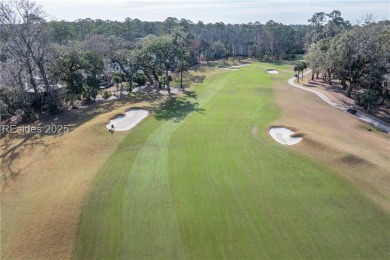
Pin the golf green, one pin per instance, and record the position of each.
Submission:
(202, 180)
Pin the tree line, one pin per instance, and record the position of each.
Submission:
(39, 54)
(358, 56)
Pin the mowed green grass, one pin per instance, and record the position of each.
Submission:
(205, 181)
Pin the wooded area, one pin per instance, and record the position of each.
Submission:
(50, 64)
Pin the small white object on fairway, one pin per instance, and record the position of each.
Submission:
(131, 119)
(282, 135)
(272, 71)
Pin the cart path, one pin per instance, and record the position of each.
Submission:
(362, 116)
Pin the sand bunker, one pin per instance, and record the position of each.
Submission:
(272, 71)
(234, 67)
(283, 136)
(128, 121)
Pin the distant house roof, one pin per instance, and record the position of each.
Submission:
(42, 88)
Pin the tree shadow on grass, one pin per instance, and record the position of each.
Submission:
(176, 109)
(198, 78)
(149, 95)
(194, 78)
(190, 94)
(202, 67)
(10, 152)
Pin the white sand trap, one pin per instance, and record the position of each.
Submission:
(282, 135)
(131, 119)
(272, 71)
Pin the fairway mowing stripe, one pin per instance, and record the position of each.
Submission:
(149, 216)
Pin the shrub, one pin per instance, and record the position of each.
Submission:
(53, 108)
(140, 79)
(3, 110)
(30, 115)
(106, 94)
(117, 79)
(366, 98)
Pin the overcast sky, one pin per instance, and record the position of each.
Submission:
(228, 11)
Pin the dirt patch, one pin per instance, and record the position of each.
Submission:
(298, 134)
(352, 159)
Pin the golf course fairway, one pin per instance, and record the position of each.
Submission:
(201, 179)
